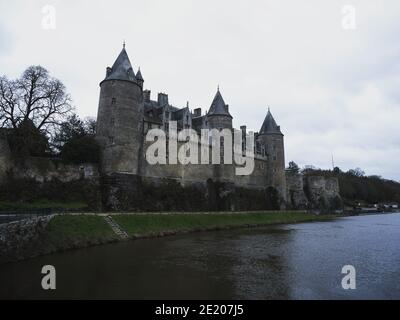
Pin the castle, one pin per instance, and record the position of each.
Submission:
(126, 179)
(126, 112)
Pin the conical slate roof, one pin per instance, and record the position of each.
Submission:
(139, 75)
(218, 106)
(121, 69)
(269, 125)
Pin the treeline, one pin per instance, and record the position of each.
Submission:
(355, 186)
(38, 119)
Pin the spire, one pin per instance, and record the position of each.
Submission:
(122, 68)
(139, 75)
(218, 106)
(269, 125)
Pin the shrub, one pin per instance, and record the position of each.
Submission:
(81, 150)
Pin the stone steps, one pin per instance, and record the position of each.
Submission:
(116, 227)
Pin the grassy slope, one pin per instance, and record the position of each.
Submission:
(151, 223)
(65, 230)
(78, 231)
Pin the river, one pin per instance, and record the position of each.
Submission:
(294, 261)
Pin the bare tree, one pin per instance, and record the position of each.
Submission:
(35, 96)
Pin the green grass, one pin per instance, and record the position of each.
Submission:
(64, 229)
(153, 223)
(40, 204)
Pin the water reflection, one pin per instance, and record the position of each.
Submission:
(278, 262)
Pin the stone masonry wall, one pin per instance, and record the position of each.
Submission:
(19, 239)
(5, 158)
(313, 192)
(45, 169)
(296, 197)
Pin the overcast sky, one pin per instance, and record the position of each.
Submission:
(334, 89)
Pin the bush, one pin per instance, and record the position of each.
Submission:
(81, 150)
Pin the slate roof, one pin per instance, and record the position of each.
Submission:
(218, 106)
(178, 114)
(122, 68)
(269, 125)
(139, 75)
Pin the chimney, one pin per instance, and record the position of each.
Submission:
(243, 128)
(162, 99)
(146, 95)
(197, 112)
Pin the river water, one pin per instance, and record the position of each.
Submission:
(296, 261)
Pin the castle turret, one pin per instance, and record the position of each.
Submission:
(271, 137)
(218, 117)
(139, 78)
(120, 116)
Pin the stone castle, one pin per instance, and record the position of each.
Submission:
(126, 112)
(124, 179)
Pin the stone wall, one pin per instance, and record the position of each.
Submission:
(126, 192)
(323, 193)
(313, 192)
(42, 169)
(5, 158)
(296, 197)
(46, 169)
(19, 239)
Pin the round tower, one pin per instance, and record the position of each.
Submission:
(271, 137)
(119, 118)
(218, 117)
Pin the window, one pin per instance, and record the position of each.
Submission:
(113, 101)
(111, 140)
(112, 121)
(274, 157)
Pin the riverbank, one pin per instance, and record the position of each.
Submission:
(286, 261)
(73, 231)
